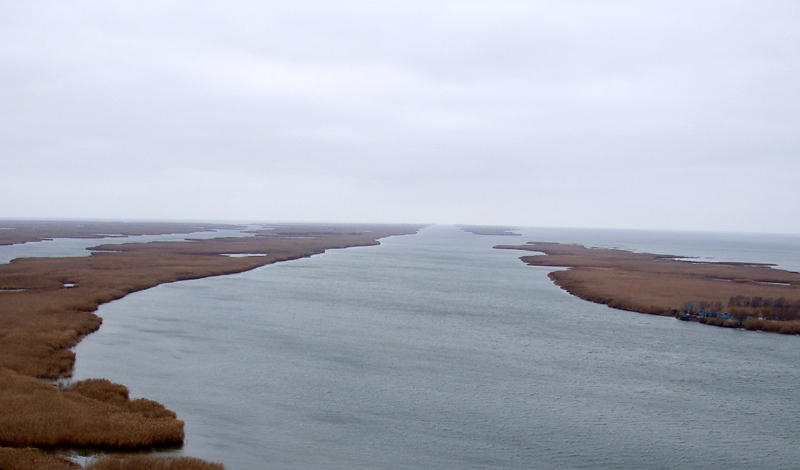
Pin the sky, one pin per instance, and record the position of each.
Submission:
(667, 115)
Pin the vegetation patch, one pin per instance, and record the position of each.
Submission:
(93, 413)
(40, 324)
(732, 295)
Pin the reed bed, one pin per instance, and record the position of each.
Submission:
(662, 285)
(33, 459)
(39, 324)
(37, 344)
(147, 462)
(22, 231)
(773, 326)
(94, 413)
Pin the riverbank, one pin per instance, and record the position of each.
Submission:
(751, 296)
(47, 305)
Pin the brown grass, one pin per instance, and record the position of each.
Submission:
(94, 413)
(39, 325)
(22, 231)
(659, 284)
(32, 459)
(772, 326)
(723, 322)
(147, 462)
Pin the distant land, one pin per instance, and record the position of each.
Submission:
(47, 306)
(23, 231)
(490, 230)
(735, 295)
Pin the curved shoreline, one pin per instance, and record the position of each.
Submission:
(664, 285)
(55, 310)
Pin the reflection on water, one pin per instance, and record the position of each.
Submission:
(435, 351)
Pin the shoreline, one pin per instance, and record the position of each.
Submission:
(14, 232)
(490, 230)
(734, 295)
(51, 308)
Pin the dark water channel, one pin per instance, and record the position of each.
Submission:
(434, 351)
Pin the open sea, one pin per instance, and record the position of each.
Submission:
(435, 351)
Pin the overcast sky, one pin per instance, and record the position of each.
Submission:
(679, 115)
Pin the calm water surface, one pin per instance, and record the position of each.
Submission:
(435, 351)
(65, 247)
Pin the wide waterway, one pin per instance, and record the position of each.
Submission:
(435, 351)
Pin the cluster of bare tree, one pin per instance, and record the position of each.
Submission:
(741, 308)
(780, 309)
(703, 306)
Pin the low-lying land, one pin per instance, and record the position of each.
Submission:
(752, 296)
(32, 459)
(23, 231)
(47, 305)
(490, 230)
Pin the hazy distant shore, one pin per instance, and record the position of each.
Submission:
(47, 306)
(23, 231)
(752, 296)
(490, 230)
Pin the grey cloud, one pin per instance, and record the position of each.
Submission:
(535, 113)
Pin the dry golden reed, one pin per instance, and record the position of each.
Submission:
(660, 284)
(772, 326)
(89, 414)
(147, 462)
(32, 459)
(39, 324)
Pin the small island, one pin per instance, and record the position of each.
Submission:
(490, 230)
(47, 306)
(734, 295)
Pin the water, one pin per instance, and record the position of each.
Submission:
(64, 247)
(783, 251)
(435, 351)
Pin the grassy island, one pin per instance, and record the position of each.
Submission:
(738, 295)
(47, 306)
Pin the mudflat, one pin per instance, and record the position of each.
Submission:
(47, 305)
(752, 296)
